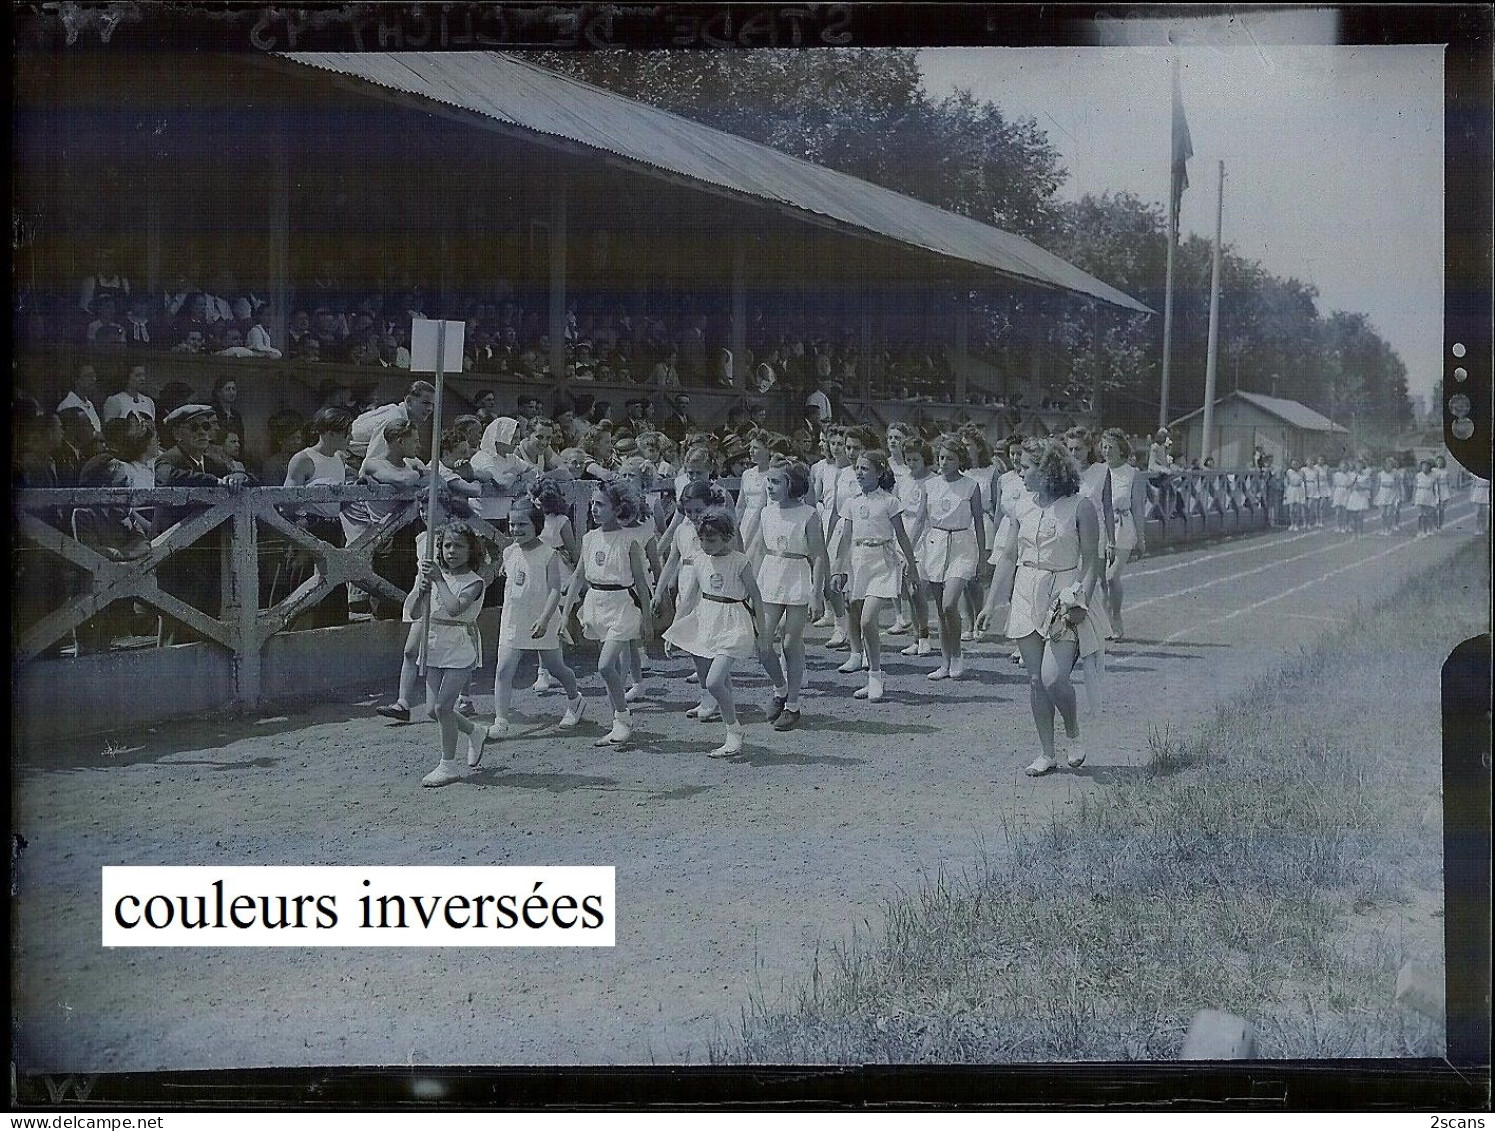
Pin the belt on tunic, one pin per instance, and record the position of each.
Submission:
(743, 601)
(872, 541)
(1049, 569)
(953, 529)
(472, 633)
(609, 587)
(787, 554)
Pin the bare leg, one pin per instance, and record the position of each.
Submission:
(772, 614)
(610, 668)
(718, 680)
(854, 626)
(1031, 646)
(794, 652)
(870, 631)
(449, 683)
(1114, 590)
(1058, 661)
(503, 682)
(555, 664)
(950, 619)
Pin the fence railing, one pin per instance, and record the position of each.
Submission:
(220, 545)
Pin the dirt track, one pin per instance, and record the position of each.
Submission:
(728, 873)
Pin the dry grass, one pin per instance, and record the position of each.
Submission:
(1253, 869)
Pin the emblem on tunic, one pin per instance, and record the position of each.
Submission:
(783, 541)
(716, 581)
(601, 556)
(519, 578)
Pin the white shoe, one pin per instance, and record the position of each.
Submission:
(574, 711)
(873, 691)
(727, 749)
(622, 731)
(543, 684)
(941, 672)
(853, 663)
(1077, 751)
(1017, 655)
(692, 678)
(635, 693)
(445, 773)
(475, 742)
(913, 649)
(899, 627)
(499, 730)
(957, 667)
(968, 636)
(825, 621)
(1040, 766)
(837, 640)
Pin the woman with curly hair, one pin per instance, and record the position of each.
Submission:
(614, 577)
(954, 544)
(1055, 566)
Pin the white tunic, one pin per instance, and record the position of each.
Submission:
(611, 611)
(753, 497)
(527, 588)
(950, 549)
(1048, 561)
(454, 641)
(1124, 530)
(1014, 501)
(785, 573)
(720, 623)
(874, 560)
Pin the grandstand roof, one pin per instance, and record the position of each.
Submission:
(501, 89)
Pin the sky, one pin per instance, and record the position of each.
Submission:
(1333, 155)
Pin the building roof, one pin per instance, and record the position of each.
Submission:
(1295, 413)
(506, 90)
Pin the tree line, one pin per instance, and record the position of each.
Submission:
(866, 113)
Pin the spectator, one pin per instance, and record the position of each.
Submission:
(224, 401)
(397, 343)
(679, 422)
(233, 344)
(131, 400)
(106, 279)
(693, 352)
(80, 396)
(141, 331)
(80, 443)
(299, 332)
(332, 393)
(173, 395)
(194, 317)
(218, 302)
(639, 419)
(193, 574)
(128, 459)
(258, 340)
(530, 407)
(105, 325)
(486, 403)
(193, 341)
(1159, 455)
(286, 431)
(366, 441)
(179, 295)
(311, 349)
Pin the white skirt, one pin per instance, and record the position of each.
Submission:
(1294, 496)
(1356, 501)
(611, 614)
(715, 628)
(1126, 531)
(949, 555)
(1033, 590)
(785, 581)
(875, 571)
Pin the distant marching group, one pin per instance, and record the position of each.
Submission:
(893, 521)
(1315, 492)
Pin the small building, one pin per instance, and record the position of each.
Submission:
(1281, 428)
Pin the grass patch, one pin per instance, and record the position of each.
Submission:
(1264, 865)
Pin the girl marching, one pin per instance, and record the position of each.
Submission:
(1295, 495)
(726, 624)
(868, 569)
(954, 542)
(453, 594)
(535, 573)
(791, 583)
(1128, 534)
(911, 490)
(615, 611)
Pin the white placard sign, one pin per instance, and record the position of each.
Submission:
(423, 335)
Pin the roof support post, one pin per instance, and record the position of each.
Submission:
(962, 342)
(864, 339)
(741, 378)
(279, 233)
(1099, 345)
(558, 283)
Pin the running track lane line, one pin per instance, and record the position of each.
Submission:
(1248, 573)
(1172, 636)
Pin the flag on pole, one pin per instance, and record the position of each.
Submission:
(1183, 149)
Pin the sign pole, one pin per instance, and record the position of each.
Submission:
(425, 632)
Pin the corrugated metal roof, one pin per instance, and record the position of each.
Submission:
(1296, 413)
(510, 90)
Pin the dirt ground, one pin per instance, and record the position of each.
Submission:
(730, 874)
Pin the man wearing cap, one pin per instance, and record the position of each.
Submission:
(639, 411)
(366, 441)
(192, 573)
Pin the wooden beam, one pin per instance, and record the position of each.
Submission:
(741, 378)
(558, 239)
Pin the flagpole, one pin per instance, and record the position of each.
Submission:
(431, 489)
(1211, 360)
(1168, 303)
